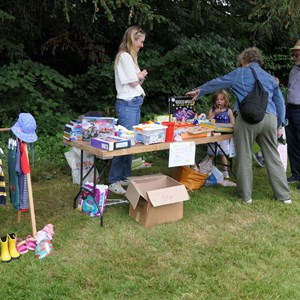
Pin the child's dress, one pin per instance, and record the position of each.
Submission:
(222, 117)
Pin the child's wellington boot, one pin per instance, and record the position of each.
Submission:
(12, 246)
(5, 256)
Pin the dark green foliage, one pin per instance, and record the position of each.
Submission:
(279, 65)
(28, 86)
(193, 62)
(94, 90)
(48, 157)
(57, 57)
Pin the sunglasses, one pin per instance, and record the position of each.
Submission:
(296, 55)
(140, 30)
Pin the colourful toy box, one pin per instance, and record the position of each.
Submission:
(90, 204)
(181, 108)
(110, 143)
(96, 126)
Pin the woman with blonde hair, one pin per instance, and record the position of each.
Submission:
(130, 96)
(265, 133)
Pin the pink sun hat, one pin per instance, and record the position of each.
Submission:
(25, 127)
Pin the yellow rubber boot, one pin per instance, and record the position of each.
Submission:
(5, 256)
(12, 246)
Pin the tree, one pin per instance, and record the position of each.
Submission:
(188, 42)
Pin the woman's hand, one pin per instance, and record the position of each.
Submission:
(194, 93)
(142, 75)
(279, 132)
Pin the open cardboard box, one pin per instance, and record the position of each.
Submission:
(156, 199)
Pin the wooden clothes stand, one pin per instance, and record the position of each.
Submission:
(30, 196)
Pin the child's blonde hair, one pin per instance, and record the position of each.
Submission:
(226, 96)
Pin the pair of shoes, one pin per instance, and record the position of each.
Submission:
(30, 241)
(117, 188)
(289, 201)
(225, 174)
(259, 159)
(28, 244)
(292, 179)
(124, 182)
(21, 246)
(8, 248)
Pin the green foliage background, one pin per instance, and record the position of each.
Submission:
(57, 57)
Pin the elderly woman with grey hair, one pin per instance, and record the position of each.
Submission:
(265, 133)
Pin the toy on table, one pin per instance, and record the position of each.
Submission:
(181, 108)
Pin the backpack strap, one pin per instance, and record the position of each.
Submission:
(254, 73)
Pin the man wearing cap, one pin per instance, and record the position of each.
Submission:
(293, 116)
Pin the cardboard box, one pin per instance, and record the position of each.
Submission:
(110, 143)
(156, 199)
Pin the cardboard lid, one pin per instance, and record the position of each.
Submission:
(168, 195)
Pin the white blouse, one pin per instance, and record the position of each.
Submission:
(126, 71)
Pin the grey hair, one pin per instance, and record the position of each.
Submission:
(250, 55)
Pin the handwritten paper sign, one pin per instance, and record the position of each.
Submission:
(182, 154)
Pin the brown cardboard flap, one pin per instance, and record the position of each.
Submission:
(168, 195)
(132, 195)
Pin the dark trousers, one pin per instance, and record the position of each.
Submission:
(293, 138)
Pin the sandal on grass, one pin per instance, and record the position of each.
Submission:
(30, 241)
(21, 246)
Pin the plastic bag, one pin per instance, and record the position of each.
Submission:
(189, 177)
(282, 149)
(215, 177)
(73, 159)
(231, 152)
(206, 165)
(90, 205)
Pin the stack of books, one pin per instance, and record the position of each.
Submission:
(140, 163)
(73, 130)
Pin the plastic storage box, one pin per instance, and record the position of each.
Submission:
(150, 133)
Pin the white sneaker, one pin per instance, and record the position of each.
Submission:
(225, 174)
(248, 201)
(124, 182)
(116, 188)
(289, 201)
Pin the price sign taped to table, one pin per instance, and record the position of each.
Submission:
(182, 154)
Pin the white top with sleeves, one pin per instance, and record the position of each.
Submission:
(126, 72)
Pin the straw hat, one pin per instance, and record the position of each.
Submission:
(297, 46)
(25, 127)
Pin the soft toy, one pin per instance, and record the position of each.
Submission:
(43, 239)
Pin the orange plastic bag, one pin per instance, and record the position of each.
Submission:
(189, 177)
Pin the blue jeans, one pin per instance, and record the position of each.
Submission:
(128, 113)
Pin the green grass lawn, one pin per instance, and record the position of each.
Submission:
(221, 249)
